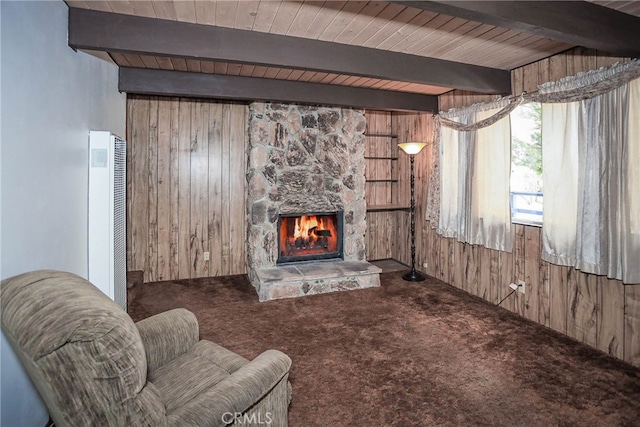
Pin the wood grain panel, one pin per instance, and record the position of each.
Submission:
(496, 283)
(286, 14)
(466, 41)
(199, 189)
(323, 18)
(304, 19)
(458, 33)
(120, 7)
(440, 36)
(174, 184)
(130, 172)
(519, 262)
(380, 241)
(484, 270)
(610, 321)
(226, 191)
(179, 64)
(405, 29)
(265, 15)
(379, 123)
(164, 9)
(237, 167)
(543, 294)
(343, 20)
(370, 235)
(355, 26)
(134, 60)
(176, 203)
(507, 276)
(432, 254)
(558, 297)
(226, 13)
(368, 32)
(451, 255)
(582, 317)
(139, 197)
(164, 189)
(458, 274)
(379, 237)
(533, 285)
(185, 10)
(543, 70)
(442, 261)
(152, 221)
(632, 324)
(184, 188)
(215, 189)
(472, 269)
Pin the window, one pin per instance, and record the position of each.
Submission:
(526, 164)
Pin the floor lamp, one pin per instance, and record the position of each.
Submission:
(413, 148)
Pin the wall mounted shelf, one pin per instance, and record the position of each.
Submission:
(388, 208)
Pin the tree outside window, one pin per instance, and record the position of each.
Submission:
(526, 164)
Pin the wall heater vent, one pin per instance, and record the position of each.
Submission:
(107, 215)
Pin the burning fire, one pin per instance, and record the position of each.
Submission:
(308, 235)
(306, 226)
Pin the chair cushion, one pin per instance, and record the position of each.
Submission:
(82, 351)
(194, 372)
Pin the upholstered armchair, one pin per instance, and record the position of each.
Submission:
(93, 366)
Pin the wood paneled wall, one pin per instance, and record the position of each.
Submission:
(413, 127)
(388, 232)
(378, 144)
(600, 312)
(381, 225)
(185, 187)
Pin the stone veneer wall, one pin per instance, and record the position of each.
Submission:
(303, 159)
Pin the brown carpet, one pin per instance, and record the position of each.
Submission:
(409, 354)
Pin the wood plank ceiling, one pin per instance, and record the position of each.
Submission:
(385, 26)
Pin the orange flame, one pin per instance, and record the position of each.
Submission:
(310, 235)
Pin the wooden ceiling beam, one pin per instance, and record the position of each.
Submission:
(579, 23)
(182, 83)
(110, 32)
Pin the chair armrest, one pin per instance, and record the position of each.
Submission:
(237, 392)
(167, 335)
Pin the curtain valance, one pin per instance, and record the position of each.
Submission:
(582, 86)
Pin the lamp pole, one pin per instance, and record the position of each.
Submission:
(413, 148)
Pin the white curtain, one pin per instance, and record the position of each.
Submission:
(591, 175)
(475, 168)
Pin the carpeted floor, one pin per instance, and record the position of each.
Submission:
(409, 354)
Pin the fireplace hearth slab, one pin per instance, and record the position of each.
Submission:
(291, 281)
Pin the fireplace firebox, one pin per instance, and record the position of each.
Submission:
(310, 237)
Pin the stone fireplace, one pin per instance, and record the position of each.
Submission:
(306, 161)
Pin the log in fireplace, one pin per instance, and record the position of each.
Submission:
(310, 237)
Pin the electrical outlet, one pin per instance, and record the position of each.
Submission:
(206, 256)
(521, 287)
(424, 265)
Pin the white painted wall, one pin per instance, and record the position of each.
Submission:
(51, 98)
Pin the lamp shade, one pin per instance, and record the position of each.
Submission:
(412, 147)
